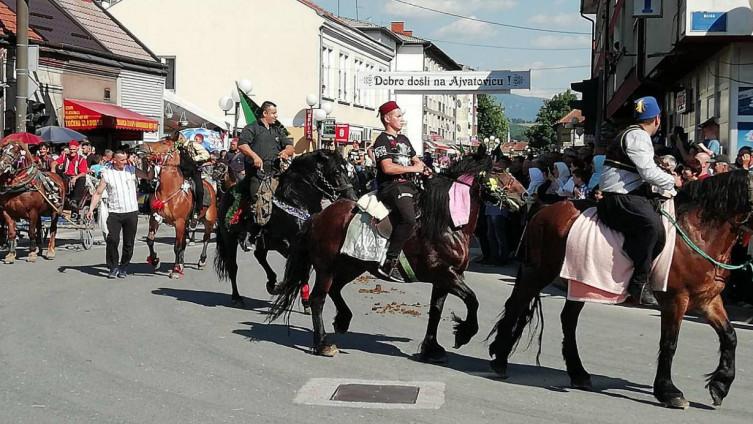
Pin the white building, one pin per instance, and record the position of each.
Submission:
(286, 48)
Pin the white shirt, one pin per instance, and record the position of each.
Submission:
(639, 149)
(121, 189)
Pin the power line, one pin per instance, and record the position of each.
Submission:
(527, 28)
(561, 67)
(492, 46)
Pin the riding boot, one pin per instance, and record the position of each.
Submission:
(390, 271)
(642, 294)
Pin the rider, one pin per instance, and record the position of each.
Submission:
(192, 168)
(73, 169)
(630, 180)
(395, 158)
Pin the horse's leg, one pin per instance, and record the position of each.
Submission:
(318, 297)
(342, 319)
(207, 235)
(431, 350)
(579, 377)
(52, 235)
(152, 259)
(518, 313)
(260, 253)
(181, 234)
(33, 220)
(465, 329)
(721, 379)
(672, 312)
(10, 224)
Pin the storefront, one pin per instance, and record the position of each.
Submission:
(107, 125)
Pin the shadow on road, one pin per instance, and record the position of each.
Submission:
(300, 339)
(101, 270)
(212, 299)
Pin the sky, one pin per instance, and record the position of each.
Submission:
(559, 15)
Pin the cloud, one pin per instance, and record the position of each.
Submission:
(462, 7)
(561, 41)
(562, 20)
(465, 29)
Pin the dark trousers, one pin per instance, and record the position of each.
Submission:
(198, 192)
(496, 233)
(78, 188)
(399, 197)
(637, 219)
(117, 222)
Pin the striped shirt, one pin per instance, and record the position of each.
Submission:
(121, 189)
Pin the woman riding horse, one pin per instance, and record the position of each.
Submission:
(713, 214)
(438, 252)
(311, 178)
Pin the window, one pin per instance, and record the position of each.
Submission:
(357, 93)
(342, 72)
(170, 77)
(327, 87)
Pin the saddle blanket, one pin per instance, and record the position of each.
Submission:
(597, 268)
(362, 241)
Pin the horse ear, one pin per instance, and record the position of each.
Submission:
(481, 151)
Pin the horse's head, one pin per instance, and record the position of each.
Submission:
(10, 156)
(331, 175)
(220, 171)
(501, 188)
(163, 152)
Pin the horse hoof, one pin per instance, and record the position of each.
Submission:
(9, 261)
(272, 287)
(328, 351)
(581, 384)
(50, 256)
(717, 393)
(433, 355)
(31, 258)
(676, 403)
(176, 275)
(201, 265)
(499, 368)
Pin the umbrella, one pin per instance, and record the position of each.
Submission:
(212, 139)
(23, 137)
(59, 135)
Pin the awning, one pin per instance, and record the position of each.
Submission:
(438, 145)
(82, 115)
(196, 116)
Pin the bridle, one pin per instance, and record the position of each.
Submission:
(9, 159)
(329, 191)
(161, 158)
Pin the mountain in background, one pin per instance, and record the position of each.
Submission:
(520, 107)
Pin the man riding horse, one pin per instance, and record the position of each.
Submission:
(629, 181)
(197, 154)
(262, 143)
(396, 160)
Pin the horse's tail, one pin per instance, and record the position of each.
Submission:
(222, 239)
(515, 318)
(297, 270)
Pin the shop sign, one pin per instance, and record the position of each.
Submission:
(647, 9)
(342, 133)
(81, 120)
(450, 81)
(307, 126)
(708, 22)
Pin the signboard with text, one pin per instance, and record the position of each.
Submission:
(647, 8)
(450, 81)
(308, 125)
(342, 133)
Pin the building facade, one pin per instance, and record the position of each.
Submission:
(696, 58)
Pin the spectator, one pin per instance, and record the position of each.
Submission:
(705, 160)
(721, 167)
(743, 160)
(710, 135)
(107, 156)
(496, 234)
(44, 159)
(668, 163)
(580, 188)
(122, 203)
(223, 156)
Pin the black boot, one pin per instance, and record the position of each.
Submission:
(390, 271)
(642, 294)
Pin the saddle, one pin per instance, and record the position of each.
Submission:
(32, 179)
(206, 198)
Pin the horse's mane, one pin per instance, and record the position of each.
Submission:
(435, 200)
(304, 169)
(719, 198)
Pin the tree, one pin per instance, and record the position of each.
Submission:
(491, 118)
(542, 133)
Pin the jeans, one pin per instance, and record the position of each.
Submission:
(496, 234)
(399, 197)
(127, 222)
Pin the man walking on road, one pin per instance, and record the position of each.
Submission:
(120, 182)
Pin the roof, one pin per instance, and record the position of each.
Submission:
(366, 26)
(515, 146)
(106, 29)
(8, 23)
(76, 25)
(573, 114)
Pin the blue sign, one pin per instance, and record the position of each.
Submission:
(708, 22)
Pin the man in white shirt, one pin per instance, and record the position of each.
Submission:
(120, 181)
(629, 179)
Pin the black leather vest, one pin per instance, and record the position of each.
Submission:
(616, 156)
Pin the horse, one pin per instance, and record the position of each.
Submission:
(173, 202)
(714, 213)
(23, 198)
(437, 252)
(310, 178)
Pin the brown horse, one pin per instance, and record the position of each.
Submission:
(714, 213)
(173, 203)
(437, 252)
(22, 198)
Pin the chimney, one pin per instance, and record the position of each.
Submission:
(408, 33)
(397, 27)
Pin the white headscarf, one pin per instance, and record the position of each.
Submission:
(563, 173)
(537, 179)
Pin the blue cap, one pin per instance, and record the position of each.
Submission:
(646, 108)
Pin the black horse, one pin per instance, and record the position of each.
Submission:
(311, 178)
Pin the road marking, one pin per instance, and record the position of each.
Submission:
(321, 391)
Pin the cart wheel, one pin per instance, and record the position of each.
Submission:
(87, 229)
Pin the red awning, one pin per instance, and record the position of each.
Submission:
(84, 115)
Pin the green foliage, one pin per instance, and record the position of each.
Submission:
(491, 118)
(542, 133)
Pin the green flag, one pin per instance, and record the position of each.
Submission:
(250, 109)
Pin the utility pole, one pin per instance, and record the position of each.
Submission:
(22, 63)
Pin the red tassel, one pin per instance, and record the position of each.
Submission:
(157, 205)
(236, 216)
(305, 292)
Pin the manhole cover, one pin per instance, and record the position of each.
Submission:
(376, 393)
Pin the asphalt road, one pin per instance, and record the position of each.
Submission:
(76, 347)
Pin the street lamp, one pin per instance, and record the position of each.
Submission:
(226, 103)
